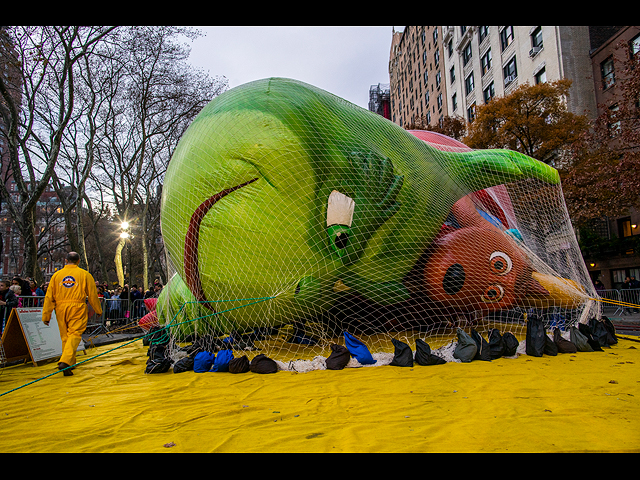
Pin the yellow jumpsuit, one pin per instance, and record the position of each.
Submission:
(67, 295)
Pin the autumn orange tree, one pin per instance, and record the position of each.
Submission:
(533, 119)
(603, 177)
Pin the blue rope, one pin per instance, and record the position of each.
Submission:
(258, 300)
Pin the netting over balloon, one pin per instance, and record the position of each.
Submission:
(291, 216)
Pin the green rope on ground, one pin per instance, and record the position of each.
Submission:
(257, 300)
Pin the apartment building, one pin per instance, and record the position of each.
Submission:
(482, 62)
(416, 75)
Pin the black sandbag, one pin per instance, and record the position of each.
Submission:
(338, 358)
(466, 348)
(496, 344)
(184, 364)
(535, 338)
(586, 331)
(579, 340)
(550, 347)
(402, 356)
(157, 362)
(510, 344)
(263, 364)
(601, 333)
(239, 365)
(483, 352)
(612, 338)
(564, 345)
(424, 356)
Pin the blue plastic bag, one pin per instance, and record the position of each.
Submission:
(221, 363)
(203, 362)
(358, 350)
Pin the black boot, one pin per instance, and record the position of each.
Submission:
(67, 372)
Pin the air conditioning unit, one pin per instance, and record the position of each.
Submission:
(534, 51)
(509, 79)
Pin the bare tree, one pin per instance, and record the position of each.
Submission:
(153, 98)
(37, 107)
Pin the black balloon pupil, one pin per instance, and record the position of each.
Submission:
(341, 240)
(453, 279)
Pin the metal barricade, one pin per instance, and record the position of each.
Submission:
(611, 308)
(630, 295)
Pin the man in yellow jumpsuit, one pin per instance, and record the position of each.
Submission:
(67, 294)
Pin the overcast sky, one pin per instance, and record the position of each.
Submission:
(345, 61)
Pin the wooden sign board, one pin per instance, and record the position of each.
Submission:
(26, 337)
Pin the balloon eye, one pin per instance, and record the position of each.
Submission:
(500, 263)
(339, 236)
(493, 293)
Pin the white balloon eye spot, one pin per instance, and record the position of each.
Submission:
(340, 209)
(500, 263)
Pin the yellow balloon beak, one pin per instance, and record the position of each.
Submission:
(562, 292)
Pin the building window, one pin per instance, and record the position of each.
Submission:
(450, 48)
(436, 57)
(466, 54)
(468, 84)
(483, 32)
(634, 45)
(454, 101)
(506, 37)
(608, 74)
(452, 74)
(439, 101)
(489, 93)
(624, 227)
(536, 37)
(541, 76)
(471, 112)
(509, 71)
(485, 61)
(438, 79)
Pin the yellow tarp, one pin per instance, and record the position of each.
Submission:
(572, 402)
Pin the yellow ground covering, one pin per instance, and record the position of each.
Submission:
(572, 402)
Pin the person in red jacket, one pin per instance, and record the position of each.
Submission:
(67, 294)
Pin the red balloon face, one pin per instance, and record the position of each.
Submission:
(476, 269)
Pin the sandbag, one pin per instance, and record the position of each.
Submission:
(424, 356)
(358, 350)
(483, 352)
(239, 365)
(564, 345)
(496, 344)
(586, 331)
(157, 362)
(550, 347)
(339, 357)
(510, 344)
(184, 364)
(466, 347)
(221, 362)
(535, 337)
(579, 340)
(203, 362)
(613, 339)
(402, 356)
(601, 333)
(263, 364)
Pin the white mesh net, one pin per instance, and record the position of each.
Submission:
(291, 216)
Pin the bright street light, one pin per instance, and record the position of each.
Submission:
(124, 235)
(125, 225)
